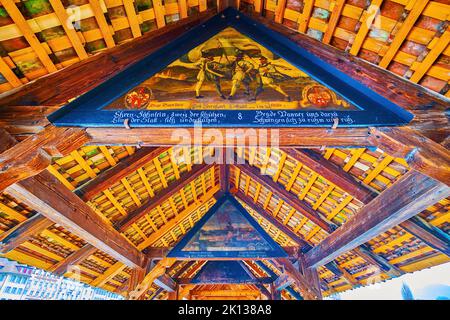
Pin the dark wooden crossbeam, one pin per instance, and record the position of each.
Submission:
(52, 199)
(23, 232)
(259, 285)
(271, 219)
(286, 137)
(165, 282)
(307, 289)
(6, 140)
(34, 154)
(185, 178)
(75, 258)
(411, 194)
(286, 196)
(125, 167)
(429, 234)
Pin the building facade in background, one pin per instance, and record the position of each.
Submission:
(22, 282)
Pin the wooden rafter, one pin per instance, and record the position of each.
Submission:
(23, 232)
(287, 196)
(48, 195)
(125, 167)
(186, 178)
(346, 182)
(410, 195)
(34, 154)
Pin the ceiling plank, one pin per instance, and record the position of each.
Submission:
(47, 194)
(349, 184)
(424, 155)
(411, 194)
(157, 270)
(185, 178)
(125, 167)
(166, 282)
(83, 76)
(287, 196)
(307, 291)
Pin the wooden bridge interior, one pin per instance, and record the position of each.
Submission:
(351, 206)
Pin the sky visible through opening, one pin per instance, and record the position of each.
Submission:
(427, 284)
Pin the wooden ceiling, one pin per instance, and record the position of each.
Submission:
(153, 201)
(141, 202)
(408, 37)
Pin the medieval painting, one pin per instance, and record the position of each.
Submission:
(228, 232)
(230, 71)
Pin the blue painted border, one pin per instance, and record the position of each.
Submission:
(375, 110)
(177, 251)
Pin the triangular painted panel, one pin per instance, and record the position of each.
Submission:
(227, 231)
(222, 272)
(272, 82)
(231, 71)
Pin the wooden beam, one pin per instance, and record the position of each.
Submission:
(374, 259)
(137, 276)
(403, 32)
(429, 234)
(411, 194)
(311, 275)
(366, 20)
(272, 220)
(47, 194)
(166, 282)
(346, 182)
(185, 178)
(6, 140)
(156, 252)
(260, 286)
(102, 23)
(68, 27)
(287, 196)
(9, 75)
(157, 270)
(422, 154)
(124, 168)
(303, 21)
(285, 137)
(332, 173)
(108, 275)
(75, 258)
(338, 6)
(34, 154)
(23, 232)
(307, 291)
